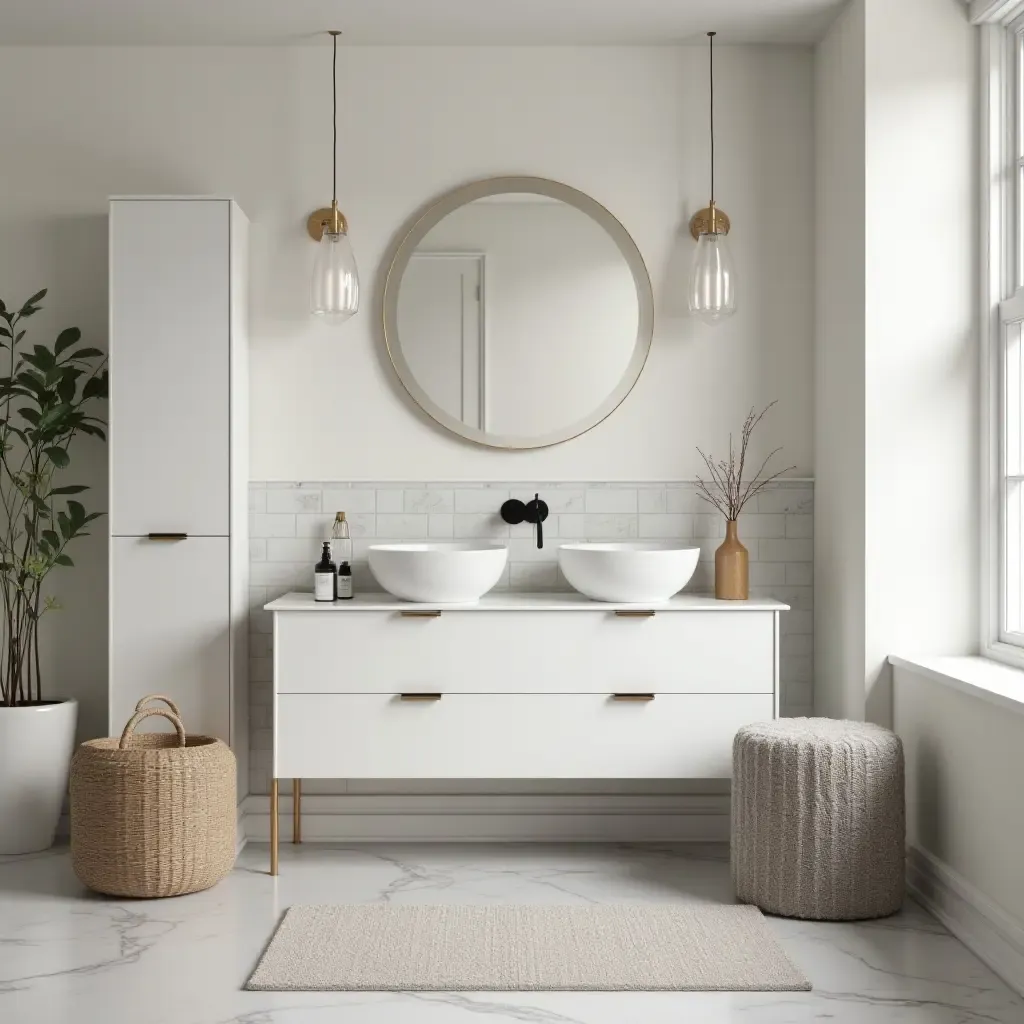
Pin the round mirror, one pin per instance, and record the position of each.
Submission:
(518, 312)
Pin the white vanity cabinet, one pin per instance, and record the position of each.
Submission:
(178, 462)
(521, 686)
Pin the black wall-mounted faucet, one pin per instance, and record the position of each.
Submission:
(536, 511)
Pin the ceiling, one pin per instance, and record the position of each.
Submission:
(412, 22)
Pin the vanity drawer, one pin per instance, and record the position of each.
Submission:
(525, 652)
(520, 736)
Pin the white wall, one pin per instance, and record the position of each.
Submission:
(897, 378)
(839, 367)
(627, 125)
(921, 367)
(965, 804)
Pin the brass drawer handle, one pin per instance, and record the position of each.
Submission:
(635, 613)
(639, 698)
(168, 536)
(420, 615)
(419, 696)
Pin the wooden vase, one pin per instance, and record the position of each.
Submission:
(732, 569)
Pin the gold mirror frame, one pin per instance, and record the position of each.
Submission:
(436, 211)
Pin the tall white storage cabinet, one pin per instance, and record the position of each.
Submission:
(179, 462)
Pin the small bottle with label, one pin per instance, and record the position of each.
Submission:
(341, 540)
(325, 582)
(345, 592)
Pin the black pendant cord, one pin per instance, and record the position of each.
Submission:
(711, 92)
(334, 152)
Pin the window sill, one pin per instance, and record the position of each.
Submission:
(985, 678)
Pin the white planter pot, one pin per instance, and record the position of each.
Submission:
(36, 744)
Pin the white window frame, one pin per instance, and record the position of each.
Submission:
(1002, 298)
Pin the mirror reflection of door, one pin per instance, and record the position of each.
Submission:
(443, 292)
(557, 328)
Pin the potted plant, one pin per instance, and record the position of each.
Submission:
(46, 398)
(729, 493)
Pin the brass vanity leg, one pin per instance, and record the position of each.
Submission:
(273, 826)
(296, 810)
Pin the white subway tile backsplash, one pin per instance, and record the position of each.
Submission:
(441, 525)
(665, 525)
(296, 498)
(402, 526)
(783, 497)
(561, 499)
(610, 526)
(304, 550)
(425, 500)
(319, 525)
(287, 520)
(481, 499)
(611, 499)
(479, 526)
(652, 499)
(799, 573)
(776, 550)
(799, 525)
(348, 500)
(390, 499)
(271, 525)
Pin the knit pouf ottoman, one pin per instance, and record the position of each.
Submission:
(818, 819)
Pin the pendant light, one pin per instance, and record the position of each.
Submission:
(334, 292)
(713, 277)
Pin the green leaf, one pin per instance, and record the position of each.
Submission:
(63, 560)
(53, 416)
(51, 538)
(86, 353)
(70, 489)
(66, 339)
(5, 332)
(28, 311)
(87, 428)
(45, 359)
(95, 387)
(32, 301)
(77, 512)
(94, 515)
(57, 456)
(32, 415)
(65, 525)
(66, 390)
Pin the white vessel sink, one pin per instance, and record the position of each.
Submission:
(635, 573)
(450, 573)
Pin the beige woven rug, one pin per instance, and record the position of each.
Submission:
(644, 947)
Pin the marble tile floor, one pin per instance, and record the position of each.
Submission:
(70, 956)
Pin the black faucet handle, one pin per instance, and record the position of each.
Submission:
(537, 512)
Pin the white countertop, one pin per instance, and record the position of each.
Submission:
(554, 601)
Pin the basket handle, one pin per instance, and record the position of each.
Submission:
(158, 696)
(129, 729)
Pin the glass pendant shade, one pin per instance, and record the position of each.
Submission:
(334, 293)
(713, 278)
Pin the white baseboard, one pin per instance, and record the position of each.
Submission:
(497, 818)
(983, 927)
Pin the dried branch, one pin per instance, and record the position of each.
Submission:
(725, 489)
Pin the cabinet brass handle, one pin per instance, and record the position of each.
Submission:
(635, 613)
(168, 536)
(419, 696)
(420, 615)
(640, 698)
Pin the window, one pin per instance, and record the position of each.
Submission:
(1002, 52)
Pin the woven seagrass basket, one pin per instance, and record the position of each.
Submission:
(153, 814)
